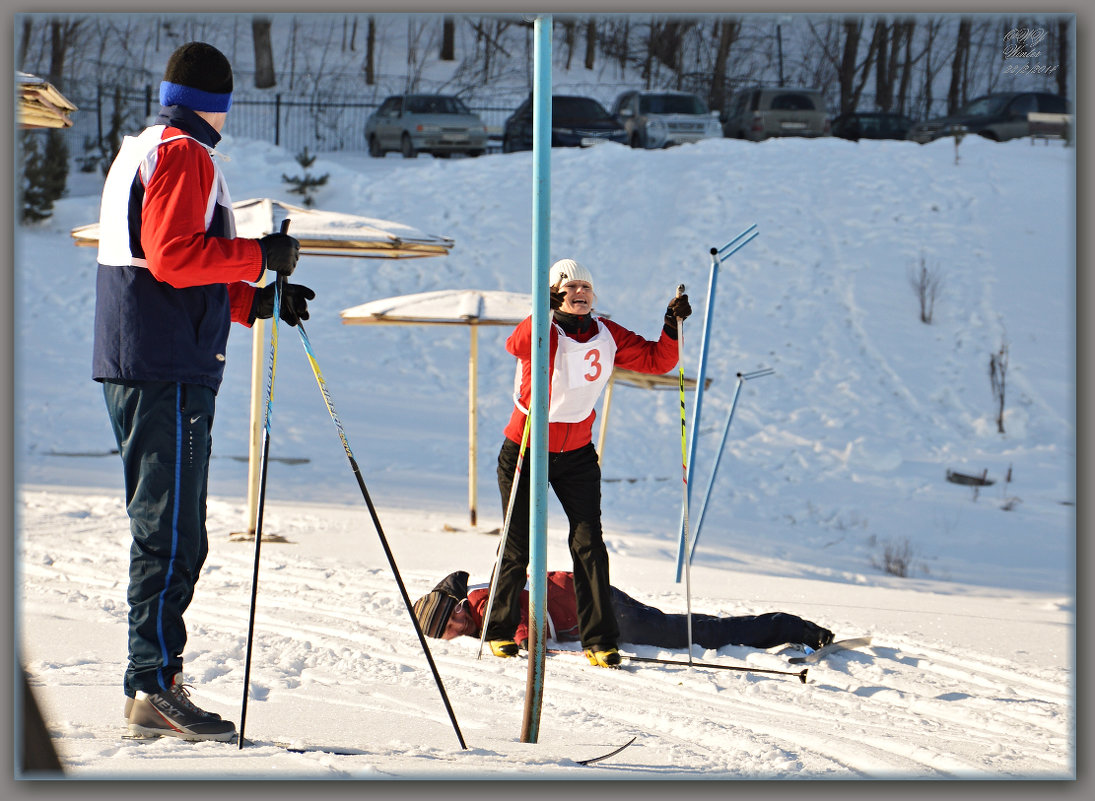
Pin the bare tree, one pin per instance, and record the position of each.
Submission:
(1062, 56)
(370, 52)
(62, 38)
(927, 283)
(852, 73)
(264, 53)
(998, 373)
(448, 39)
(24, 41)
(591, 42)
(728, 30)
(569, 38)
(959, 85)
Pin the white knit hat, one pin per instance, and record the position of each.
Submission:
(566, 270)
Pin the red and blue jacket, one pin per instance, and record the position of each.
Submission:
(172, 277)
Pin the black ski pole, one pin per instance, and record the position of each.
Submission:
(801, 674)
(379, 529)
(279, 287)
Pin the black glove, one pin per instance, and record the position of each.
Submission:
(280, 253)
(294, 303)
(678, 309)
(557, 297)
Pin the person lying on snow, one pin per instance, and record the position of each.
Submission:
(451, 610)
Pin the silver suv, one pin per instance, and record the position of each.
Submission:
(759, 113)
(661, 119)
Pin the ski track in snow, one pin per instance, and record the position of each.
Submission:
(888, 710)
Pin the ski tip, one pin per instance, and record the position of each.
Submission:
(612, 753)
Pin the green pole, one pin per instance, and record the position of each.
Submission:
(541, 320)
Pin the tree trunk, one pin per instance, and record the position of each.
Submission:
(591, 42)
(264, 53)
(853, 31)
(370, 53)
(883, 75)
(907, 28)
(956, 95)
(62, 35)
(728, 34)
(568, 38)
(1062, 57)
(24, 44)
(448, 39)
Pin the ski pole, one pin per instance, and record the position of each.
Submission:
(801, 674)
(279, 286)
(379, 529)
(731, 247)
(684, 476)
(742, 378)
(503, 536)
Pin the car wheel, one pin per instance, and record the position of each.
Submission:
(636, 140)
(374, 147)
(475, 153)
(407, 148)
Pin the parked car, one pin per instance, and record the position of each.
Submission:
(437, 124)
(999, 116)
(575, 122)
(758, 113)
(871, 125)
(661, 119)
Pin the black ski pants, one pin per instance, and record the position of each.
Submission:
(575, 477)
(163, 430)
(641, 624)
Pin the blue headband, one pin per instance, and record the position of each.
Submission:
(174, 94)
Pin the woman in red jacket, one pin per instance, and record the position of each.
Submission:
(583, 349)
(451, 610)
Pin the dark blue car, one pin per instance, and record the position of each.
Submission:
(575, 122)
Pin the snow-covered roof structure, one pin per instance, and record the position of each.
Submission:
(40, 104)
(321, 233)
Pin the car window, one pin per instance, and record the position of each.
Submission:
(988, 106)
(1052, 104)
(577, 108)
(435, 104)
(389, 107)
(792, 102)
(1023, 105)
(672, 104)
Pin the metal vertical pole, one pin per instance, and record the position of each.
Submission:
(473, 428)
(697, 403)
(538, 406)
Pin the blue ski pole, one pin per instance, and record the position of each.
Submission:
(742, 378)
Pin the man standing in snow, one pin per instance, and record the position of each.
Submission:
(583, 350)
(451, 610)
(172, 278)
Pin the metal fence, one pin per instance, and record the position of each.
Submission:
(320, 125)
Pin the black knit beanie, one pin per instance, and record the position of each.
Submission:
(199, 77)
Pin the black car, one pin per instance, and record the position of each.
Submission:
(1000, 116)
(575, 122)
(871, 125)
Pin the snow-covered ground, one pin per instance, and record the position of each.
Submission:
(836, 459)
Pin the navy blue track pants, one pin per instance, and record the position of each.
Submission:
(163, 430)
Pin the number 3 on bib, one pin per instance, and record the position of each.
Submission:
(594, 359)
